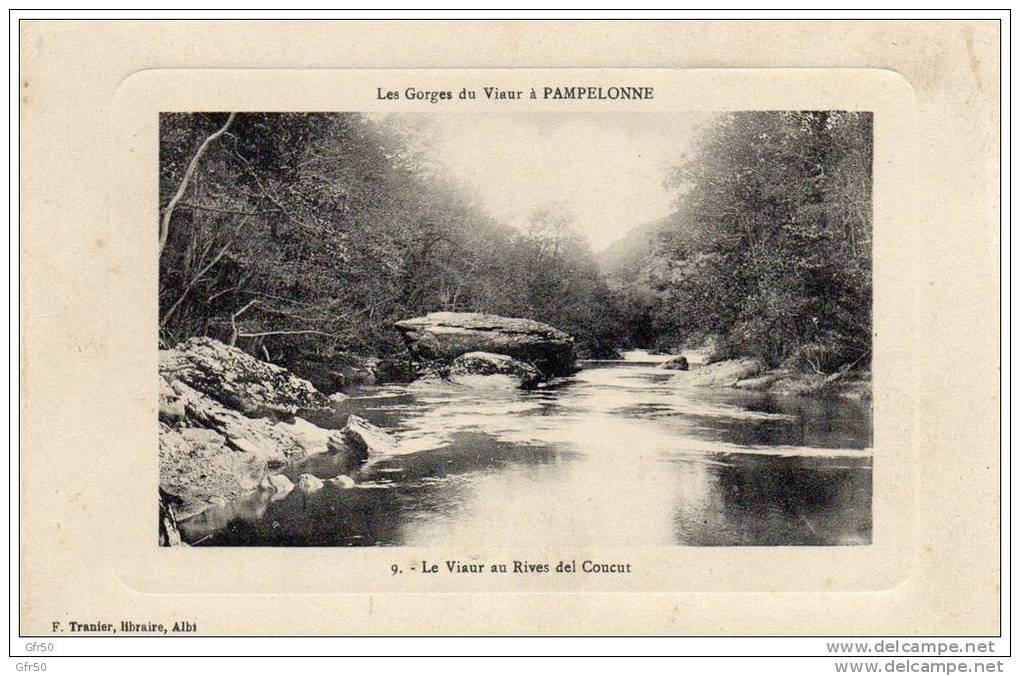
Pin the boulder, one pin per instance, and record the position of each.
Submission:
(675, 364)
(312, 438)
(365, 439)
(236, 379)
(278, 483)
(444, 336)
(725, 373)
(309, 483)
(481, 368)
(342, 481)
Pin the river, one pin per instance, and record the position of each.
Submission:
(622, 453)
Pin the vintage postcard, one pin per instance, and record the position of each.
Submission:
(385, 340)
(480, 345)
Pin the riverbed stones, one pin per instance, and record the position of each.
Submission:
(486, 369)
(678, 363)
(444, 336)
(309, 483)
(278, 483)
(365, 439)
(342, 481)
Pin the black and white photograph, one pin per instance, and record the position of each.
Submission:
(607, 328)
(347, 337)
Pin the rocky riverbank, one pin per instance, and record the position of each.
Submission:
(747, 373)
(228, 421)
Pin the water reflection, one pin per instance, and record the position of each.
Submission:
(616, 455)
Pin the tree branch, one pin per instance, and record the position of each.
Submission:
(201, 273)
(217, 210)
(164, 226)
(233, 321)
(287, 333)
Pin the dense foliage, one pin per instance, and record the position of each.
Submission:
(298, 234)
(769, 250)
(309, 234)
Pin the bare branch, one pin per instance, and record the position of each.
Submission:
(218, 210)
(233, 320)
(288, 333)
(201, 273)
(164, 226)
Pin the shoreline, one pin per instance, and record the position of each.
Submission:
(230, 423)
(746, 373)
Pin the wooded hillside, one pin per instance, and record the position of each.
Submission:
(769, 248)
(310, 234)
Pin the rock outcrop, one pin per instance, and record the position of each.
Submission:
(475, 369)
(208, 423)
(226, 420)
(444, 336)
(724, 373)
(238, 380)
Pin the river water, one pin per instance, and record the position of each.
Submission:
(622, 453)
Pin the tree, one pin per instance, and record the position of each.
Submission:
(301, 236)
(770, 246)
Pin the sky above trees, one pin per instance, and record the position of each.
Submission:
(295, 234)
(605, 168)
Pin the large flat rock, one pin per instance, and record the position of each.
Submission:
(444, 336)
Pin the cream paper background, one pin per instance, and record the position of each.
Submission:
(90, 95)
